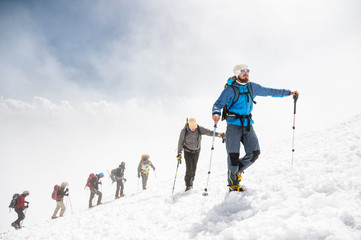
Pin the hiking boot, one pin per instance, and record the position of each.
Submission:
(121, 195)
(239, 176)
(117, 198)
(188, 188)
(236, 188)
(91, 206)
(54, 217)
(100, 203)
(16, 226)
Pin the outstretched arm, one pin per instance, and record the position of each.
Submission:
(258, 90)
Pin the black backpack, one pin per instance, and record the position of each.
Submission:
(14, 200)
(230, 83)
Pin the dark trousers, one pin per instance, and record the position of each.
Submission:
(21, 215)
(144, 180)
(120, 186)
(191, 167)
(235, 136)
(92, 194)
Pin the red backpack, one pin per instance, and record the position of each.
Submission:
(54, 195)
(89, 179)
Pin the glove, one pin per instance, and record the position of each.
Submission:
(223, 136)
(179, 157)
(100, 183)
(66, 190)
(125, 179)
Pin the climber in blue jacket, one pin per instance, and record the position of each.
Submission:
(237, 101)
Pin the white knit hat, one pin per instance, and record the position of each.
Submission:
(237, 69)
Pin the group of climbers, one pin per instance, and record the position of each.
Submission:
(19, 204)
(236, 101)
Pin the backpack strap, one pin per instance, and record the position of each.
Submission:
(234, 100)
(250, 90)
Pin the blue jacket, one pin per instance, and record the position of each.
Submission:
(244, 105)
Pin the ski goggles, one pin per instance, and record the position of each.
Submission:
(241, 71)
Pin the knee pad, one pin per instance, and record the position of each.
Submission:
(255, 155)
(234, 158)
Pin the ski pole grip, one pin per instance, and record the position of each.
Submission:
(295, 97)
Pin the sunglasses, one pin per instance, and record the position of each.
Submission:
(245, 70)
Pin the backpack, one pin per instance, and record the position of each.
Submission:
(230, 83)
(113, 175)
(14, 200)
(145, 166)
(89, 179)
(54, 195)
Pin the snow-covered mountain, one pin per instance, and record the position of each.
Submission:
(319, 199)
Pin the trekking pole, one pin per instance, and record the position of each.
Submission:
(210, 161)
(176, 172)
(295, 97)
(156, 179)
(66, 205)
(71, 207)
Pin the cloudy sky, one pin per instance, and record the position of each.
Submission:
(125, 74)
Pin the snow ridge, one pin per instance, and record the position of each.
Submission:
(319, 199)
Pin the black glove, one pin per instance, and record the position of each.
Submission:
(179, 157)
(100, 183)
(66, 190)
(27, 205)
(125, 179)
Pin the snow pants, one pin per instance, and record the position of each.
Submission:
(120, 187)
(59, 205)
(92, 194)
(144, 180)
(235, 136)
(21, 215)
(191, 159)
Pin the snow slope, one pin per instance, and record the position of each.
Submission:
(319, 199)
